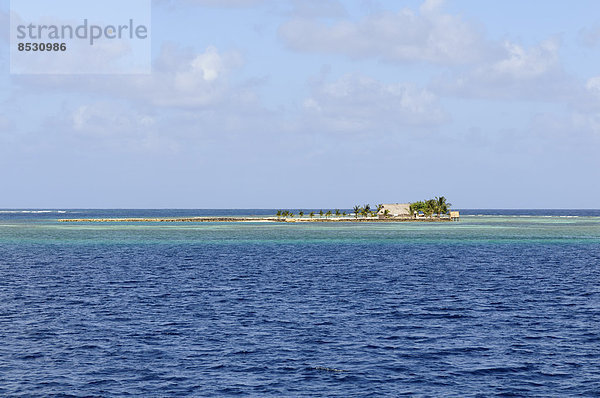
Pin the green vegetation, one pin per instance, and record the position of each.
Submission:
(429, 208)
(327, 214)
(365, 211)
(439, 205)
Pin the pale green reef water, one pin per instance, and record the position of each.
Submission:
(470, 230)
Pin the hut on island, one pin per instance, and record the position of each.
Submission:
(394, 210)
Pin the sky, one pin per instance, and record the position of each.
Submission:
(319, 103)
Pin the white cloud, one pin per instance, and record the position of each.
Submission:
(210, 64)
(576, 127)
(180, 79)
(430, 36)
(585, 106)
(357, 103)
(183, 79)
(587, 122)
(525, 64)
(521, 73)
(593, 85)
(430, 6)
(571, 131)
(112, 125)
(187, 102)
(107, 119)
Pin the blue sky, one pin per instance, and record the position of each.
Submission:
(272, 104)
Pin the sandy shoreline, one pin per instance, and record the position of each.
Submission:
(253, 219)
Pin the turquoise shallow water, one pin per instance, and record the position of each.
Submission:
(470, 230)
(500, 304)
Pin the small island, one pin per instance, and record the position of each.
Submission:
(431, 210)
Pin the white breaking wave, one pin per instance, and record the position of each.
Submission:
(517, 216)
(31, 211)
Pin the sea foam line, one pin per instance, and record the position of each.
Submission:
(31, 211)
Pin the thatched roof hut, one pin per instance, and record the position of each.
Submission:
(395, 210)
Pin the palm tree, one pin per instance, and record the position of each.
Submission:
(438, 205)
(431, 207)
(301, 213)
(328, 214)
(312, 214)
(321, 213)
(357, 210)
(344, 214)
(278, 213)
(292, 215)
(337, 212)
(379, 207)
(367, 208)
(386, 213)
(417, 207)
(443, 207)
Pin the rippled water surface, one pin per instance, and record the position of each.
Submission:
(503, 303)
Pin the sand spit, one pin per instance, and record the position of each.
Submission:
(254, 219)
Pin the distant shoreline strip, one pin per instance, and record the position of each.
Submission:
(252, 219)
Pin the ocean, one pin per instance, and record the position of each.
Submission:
(502, 303)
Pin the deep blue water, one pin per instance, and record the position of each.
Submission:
(503, 303)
